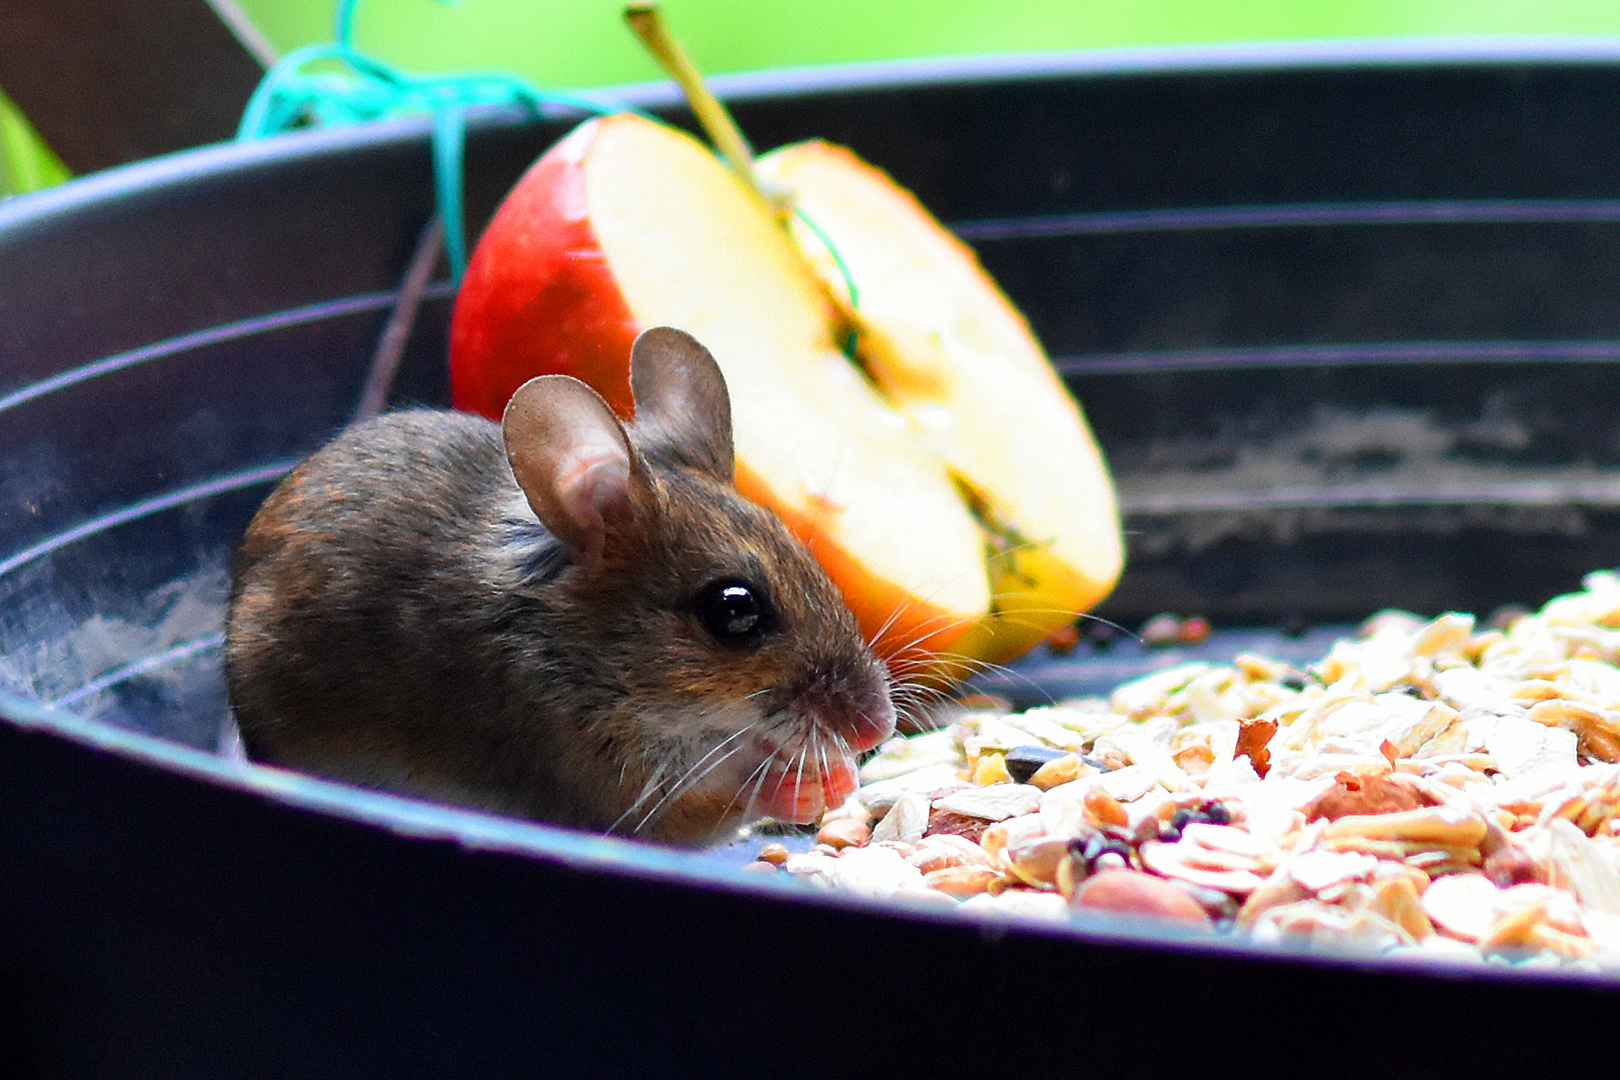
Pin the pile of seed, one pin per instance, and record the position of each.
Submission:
(1428, 788)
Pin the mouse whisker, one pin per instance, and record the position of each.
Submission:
(756, 780)
(985, 667)
(937, 621)
(693, 775)
(800, 759)
(922, 633)
(650, 787)
(885, 626)
(822, 756)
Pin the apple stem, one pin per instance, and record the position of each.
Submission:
(647, 21)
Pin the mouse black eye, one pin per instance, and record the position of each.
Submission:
(734, 612)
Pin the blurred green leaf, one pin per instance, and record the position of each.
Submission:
(26, 164)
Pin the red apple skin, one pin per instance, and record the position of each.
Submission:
(538, 296)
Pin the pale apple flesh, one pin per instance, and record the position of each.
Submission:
(949, 349)
(643, 226)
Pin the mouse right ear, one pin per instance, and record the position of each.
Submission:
(680, 390)
(573, 461)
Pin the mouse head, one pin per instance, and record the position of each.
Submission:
(764, 688)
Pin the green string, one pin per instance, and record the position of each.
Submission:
(853, 339)
(364, 89)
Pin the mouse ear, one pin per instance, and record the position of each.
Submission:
(572, 459)
(680, 391)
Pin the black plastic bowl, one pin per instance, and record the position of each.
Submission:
(1346, 322)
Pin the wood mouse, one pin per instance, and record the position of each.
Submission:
(559, 617)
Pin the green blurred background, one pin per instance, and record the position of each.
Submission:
(583, 42)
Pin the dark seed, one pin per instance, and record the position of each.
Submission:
(1101, 635)
(1111, 847)
(1097, 845)
(1022, 761)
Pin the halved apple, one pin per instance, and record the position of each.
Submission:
(948, 349)
(626, 224)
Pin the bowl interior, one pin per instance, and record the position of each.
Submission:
(1344, 331)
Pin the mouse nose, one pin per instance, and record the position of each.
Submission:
(852, 700)
(871, 727)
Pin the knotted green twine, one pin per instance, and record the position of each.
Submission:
(365, 89)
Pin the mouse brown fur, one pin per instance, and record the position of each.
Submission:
(561, 617)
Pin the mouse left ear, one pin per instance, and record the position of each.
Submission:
(573, 460)
(680, 392)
